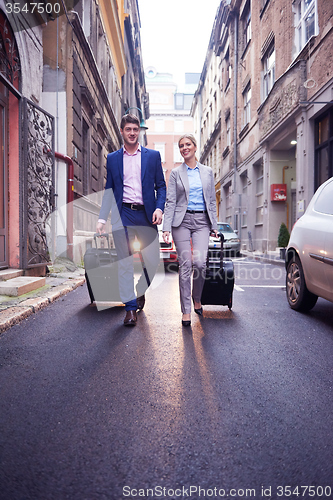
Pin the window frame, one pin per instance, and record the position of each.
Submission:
(247, 104)
(246, 21)
(268, 70)
(301, 14)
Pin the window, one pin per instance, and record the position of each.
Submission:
(323, 148)
(86, 171)
(244, 182)
(228, 135)
(324, 201)
(247, 25)
(269, 70)
(227, 69)
(228, 201)
(260, 195)
(179, 126)
(159, 125)
(179, 101)
(305, 22)
(247, 104)
(177, 157)
(86, 16)
(160, 146)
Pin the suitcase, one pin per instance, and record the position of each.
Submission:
(219, 281)
(101, 272)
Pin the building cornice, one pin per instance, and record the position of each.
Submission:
(113, 29)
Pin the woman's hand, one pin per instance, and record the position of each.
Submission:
(166, 236)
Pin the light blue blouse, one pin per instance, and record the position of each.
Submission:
(196, 199)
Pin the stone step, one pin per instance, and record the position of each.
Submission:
(8, 274)
(20, 285)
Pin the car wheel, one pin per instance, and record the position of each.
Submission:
(298, 296)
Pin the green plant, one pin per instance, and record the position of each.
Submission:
(284, 236)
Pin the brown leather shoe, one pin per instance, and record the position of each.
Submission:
(130, 318)
(140, 302)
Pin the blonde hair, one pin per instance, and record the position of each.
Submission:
(188, 136)
(191, 138)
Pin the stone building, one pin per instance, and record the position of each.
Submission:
(25, 128)
(66, 78)
(92, 75)
(263, 112)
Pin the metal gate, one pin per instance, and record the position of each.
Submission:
(37, 184)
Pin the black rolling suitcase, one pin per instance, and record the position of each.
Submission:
(101, 272)
(219, 282)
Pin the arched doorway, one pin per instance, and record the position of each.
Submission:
(10, 86)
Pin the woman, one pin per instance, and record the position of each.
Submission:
(190, 213)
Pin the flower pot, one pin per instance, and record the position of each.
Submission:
(282, 253)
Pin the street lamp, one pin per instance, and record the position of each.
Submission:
(143, 126)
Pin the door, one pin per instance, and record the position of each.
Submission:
(3, 181)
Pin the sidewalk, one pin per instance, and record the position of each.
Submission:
(62, 279)
(272, 257)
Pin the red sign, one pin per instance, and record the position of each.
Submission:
(278, 192)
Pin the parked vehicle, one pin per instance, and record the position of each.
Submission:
(309, 255)
(168, 252)
(231, 241)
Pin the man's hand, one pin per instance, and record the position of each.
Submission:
(100, 227)
(157, 217)
(166, 236)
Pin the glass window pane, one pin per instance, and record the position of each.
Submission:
(324, 203)
(309, 25)
(322, 165)
(323, 132)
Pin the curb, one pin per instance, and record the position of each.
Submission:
(15, 314)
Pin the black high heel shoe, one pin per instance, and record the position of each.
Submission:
(186, 322)
(198, 311)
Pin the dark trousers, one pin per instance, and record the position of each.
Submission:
(135, 226)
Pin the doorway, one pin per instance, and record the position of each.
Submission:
(3, 179)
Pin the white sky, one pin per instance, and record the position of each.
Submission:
(175, 34)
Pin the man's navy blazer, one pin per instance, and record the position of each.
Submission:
(152, 178)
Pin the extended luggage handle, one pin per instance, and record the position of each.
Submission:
(221, 236)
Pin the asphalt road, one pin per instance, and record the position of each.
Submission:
(240, 405)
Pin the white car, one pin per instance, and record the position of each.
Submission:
(309, 255)
(231, 241)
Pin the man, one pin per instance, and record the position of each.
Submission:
(135, 193)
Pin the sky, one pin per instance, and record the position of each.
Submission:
(175, 34)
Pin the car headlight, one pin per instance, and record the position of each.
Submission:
(234, 240)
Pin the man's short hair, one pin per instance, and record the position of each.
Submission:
(129, 118)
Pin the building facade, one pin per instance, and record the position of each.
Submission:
(263, 112)
(170, 116)
(65, 81)
(25, 128)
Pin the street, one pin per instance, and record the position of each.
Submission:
(240, 405)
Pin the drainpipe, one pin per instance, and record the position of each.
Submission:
(235, 105)
(70, 200)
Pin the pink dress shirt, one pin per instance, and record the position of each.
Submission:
(132, 192)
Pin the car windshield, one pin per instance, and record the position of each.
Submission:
(225, 228)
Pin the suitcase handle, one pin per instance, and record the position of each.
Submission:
(102, 235)
(221, 252)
